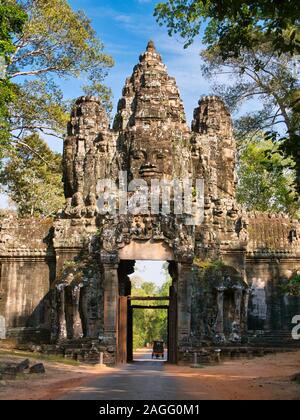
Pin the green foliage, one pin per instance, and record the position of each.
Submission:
(59, 40)
(39, 106)
(53, 43)
(7, 95)
(291, 286)
(234, 24)
(149, 324)
(32, 178)
(266, 180)
(208, 264)
(12, 20)
(257, 74)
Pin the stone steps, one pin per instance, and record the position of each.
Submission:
(208, 356)
(273, 339)
(83, 350)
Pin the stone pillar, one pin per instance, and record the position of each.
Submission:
(84, 312)
(219, 326)
(236, 325)
(238, 294)
(172, 325)
(62, 324)
(2, 328)
(111, 296)
(245, 310)
(77, 324)
(184, 303)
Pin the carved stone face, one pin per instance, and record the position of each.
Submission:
(151, 162)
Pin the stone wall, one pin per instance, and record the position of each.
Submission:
(27, 266)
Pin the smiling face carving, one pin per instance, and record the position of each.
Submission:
(151, 162)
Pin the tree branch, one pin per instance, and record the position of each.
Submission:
(34, 72)
(33, 53)
(254, 76)
(37, 127)
(21, 143)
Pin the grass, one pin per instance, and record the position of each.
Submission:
(39, 356)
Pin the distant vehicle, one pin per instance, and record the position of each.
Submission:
(158, 349)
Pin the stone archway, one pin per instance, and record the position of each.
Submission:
(116, 318)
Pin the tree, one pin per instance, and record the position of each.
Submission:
(257, 74)
(234, 24)
(12, 20)
(55, 43)
(265, 180)
(270, 80)
(291, 286)
(32, 178)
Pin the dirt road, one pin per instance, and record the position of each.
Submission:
(266, 378)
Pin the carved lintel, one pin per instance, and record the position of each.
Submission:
(109, 258)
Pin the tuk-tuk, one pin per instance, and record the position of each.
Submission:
(158, 349)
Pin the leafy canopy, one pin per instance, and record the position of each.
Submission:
(58, 40)
(265, 178)
(55, 42)
(269, 85)
(12, 20)
(32, 178)
(291, 286)
(234, 24)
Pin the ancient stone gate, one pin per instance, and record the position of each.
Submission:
(66, 281)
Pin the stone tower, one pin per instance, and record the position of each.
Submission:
(151, 121)
(214, 140)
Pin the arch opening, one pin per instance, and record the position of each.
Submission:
(147, 309)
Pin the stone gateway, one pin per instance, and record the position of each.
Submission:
(65, 282)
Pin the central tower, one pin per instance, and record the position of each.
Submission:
(152, 123)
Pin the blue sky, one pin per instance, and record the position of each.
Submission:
(150, 271)
(125, 27)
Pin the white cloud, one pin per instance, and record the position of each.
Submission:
(108, 12)
(123, 18)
